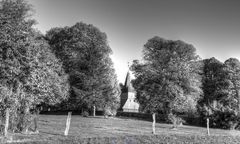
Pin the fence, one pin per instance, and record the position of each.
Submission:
(196, 121)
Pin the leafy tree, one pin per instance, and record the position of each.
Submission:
(30, 74)
(214, 80)
(229, 105)
(232, 67)
(85, 54)
(220, 89)
(167, 77)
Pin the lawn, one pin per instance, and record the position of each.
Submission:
(120, 130)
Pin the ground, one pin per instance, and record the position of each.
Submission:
(120, 130)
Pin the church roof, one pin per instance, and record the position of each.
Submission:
(128, 83)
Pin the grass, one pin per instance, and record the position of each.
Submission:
(120, 130)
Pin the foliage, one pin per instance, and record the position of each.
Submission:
(220, 101)
(175, 120)
(167, 80)
(214, 81)
(29, 72)
(225, 118)
(232, 68)
(86, 58)
(85, 114)
(232, 100)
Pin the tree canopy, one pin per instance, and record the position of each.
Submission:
(220, 99)
(29, 72)
(167, 76)
(85, 53)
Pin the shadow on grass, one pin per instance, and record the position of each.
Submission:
(99, 117)
(133, 118)
(55, 134)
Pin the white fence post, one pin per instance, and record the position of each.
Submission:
(208, 132)
(6, 123)
(68, 123)
(154, 122)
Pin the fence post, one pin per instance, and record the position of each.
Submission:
(154, 121)
(68, 123)
(208, 132)
(94, 110)
(6, 123)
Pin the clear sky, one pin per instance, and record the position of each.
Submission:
(212, 26)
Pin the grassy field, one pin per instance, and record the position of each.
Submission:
(120, 130)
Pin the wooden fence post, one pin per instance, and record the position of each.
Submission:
(68, 123)
(154, 121)
(208, 132)
(6, 123)
(94, 110)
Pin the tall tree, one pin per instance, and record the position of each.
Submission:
(219, 93)
(167, 76)
(232, 67)
(85, 54)
(29, 71)
(214, 80)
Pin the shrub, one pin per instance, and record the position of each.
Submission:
(227, 119)
(175, 120)
(85, 114)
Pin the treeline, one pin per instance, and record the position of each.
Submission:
(173, 80)
(69, 67)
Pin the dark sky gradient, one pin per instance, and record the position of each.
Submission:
(212, 26)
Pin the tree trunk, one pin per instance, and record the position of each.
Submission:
(36, 121)
(154, 122)
(94, 111)
(26, 123)
(175, 125)
(208, 132)
(68, 124)
(6, 123)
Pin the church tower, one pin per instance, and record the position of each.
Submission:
(128, 102)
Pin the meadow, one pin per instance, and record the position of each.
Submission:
(118, 130)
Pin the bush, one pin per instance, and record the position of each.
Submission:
(227, 119)
(175, 120)
(221, 117)
(85, 114)
(107, 112)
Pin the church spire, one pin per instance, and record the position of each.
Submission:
(128, 79)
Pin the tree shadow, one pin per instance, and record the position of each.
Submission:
(50, 133)
(96, 117)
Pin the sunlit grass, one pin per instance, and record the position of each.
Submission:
(99, 129)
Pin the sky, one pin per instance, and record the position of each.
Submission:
(211, 26)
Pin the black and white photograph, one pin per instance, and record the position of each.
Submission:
(119, 72)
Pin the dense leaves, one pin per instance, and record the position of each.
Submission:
(29, 72)
(220, 101)
(85, 54)
(167, 79)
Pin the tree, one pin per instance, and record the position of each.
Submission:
(226, 113)
(232, 100)
(167, 77)
(232, 67)
(29, 71)
(86, 58)
(219, 101)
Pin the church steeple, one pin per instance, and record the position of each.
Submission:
(128, 95)
(128, 84)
